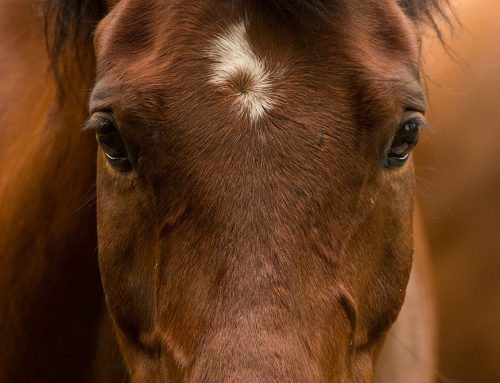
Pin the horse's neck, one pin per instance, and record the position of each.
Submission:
(49, 281)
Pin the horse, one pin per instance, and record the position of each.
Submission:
(254, 191)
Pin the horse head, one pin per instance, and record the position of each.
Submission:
(255, 184)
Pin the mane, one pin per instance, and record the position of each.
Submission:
(427, 12)
(69, 31)
(70, 26)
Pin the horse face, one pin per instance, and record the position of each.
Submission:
(254, 194)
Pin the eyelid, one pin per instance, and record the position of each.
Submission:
(414, 98)
(90, 124)
(416, 115)
(97, 104)
(96, 119)
(417, 105)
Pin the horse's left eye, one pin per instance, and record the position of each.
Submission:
(405, 140)
(110, 141)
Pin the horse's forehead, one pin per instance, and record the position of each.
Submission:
(247, 60)
(231, 27)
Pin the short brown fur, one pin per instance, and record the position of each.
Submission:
(273, 250)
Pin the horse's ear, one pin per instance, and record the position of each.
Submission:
(69, 30)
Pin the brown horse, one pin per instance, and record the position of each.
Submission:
(254, 191)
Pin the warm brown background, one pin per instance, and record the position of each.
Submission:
(458, 167)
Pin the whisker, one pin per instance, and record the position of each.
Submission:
(88, 200)
(428, 188)
(432, 184)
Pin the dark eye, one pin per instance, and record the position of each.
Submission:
(111, 142)
(405, 140)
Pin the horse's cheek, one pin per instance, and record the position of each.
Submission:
(125, 270)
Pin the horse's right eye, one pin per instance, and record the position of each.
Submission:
(111, 143)
(405, 140)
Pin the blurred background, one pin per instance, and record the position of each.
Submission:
(458, 178)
